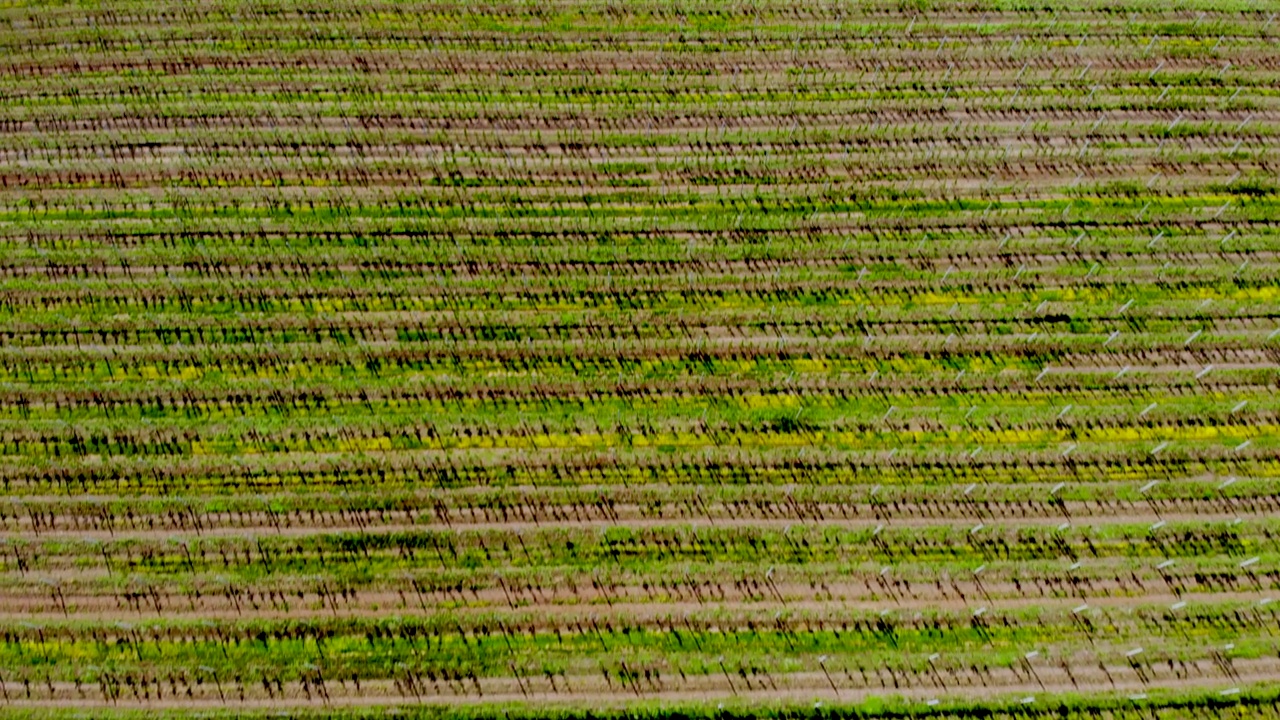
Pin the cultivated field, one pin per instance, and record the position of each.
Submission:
(667, 358)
